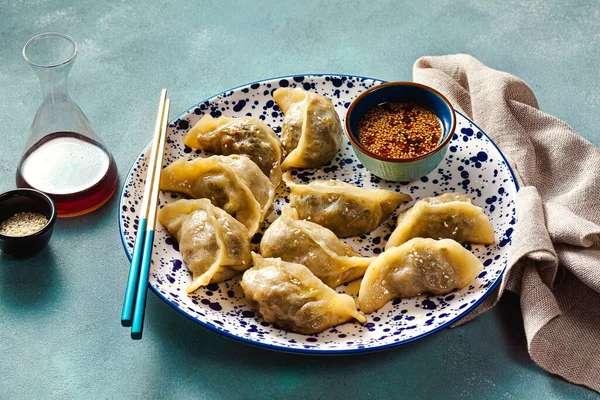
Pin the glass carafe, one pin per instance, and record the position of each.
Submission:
(63, 157)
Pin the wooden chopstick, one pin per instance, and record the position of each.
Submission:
(137, 325)
(134, 268)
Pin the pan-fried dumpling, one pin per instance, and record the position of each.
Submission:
(245, 135)
(291, 297)
(311, 133)
(450, 215)
(234, 183)
(418, 266)
(344, 208)
(213, 244)
(316, 247)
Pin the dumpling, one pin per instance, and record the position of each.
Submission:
(450, 215)
(418, 266)
(344, 208)
(234, 183)
(316, 247)
(213, 244)
(245, 135)
(291, 297)
(311, 133)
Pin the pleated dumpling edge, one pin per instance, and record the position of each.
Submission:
(243, 135)
(234, 183)
(344, 208)
(417, 267)
(447, 216)
(311, 133)
(316, 247)
(291, 297)
(214, 246)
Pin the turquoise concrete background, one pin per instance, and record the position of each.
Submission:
(60, 334)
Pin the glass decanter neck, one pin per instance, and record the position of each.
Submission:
(54, 82)
(51, 56)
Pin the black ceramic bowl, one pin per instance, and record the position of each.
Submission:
(26, 200)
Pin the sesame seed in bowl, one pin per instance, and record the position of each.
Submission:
(399, 130)
(27, 219)
(22, 224)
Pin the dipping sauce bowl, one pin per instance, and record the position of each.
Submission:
(409, 168)
(26, 201)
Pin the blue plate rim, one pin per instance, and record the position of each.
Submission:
(321, 352)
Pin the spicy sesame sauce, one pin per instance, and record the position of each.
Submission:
(399, 130)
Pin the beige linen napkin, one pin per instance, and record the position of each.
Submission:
(554, 262)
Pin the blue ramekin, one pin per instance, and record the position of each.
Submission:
(406, 169)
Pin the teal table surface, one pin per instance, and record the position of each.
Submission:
(60, 333)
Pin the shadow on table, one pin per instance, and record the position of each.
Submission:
(28, 282)
(31, 281)
(414, 364)
(103, 214)
(199, 346)
(509, 317)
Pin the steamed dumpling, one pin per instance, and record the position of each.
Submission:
(344, 208)
(311, 133)
(234, 183)
(291, 297)
(314, 246)
(245, 135)
(418, 266)
(214, 246)
(450, 215)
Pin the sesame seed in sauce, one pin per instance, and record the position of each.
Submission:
(399, 130)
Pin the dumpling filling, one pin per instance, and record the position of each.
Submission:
(311, 134)
(291, 297)
(316, 247)
(245, 135)
(450, 216)
(214, 246)
(346, 209)
(417, 267)
(234, 183)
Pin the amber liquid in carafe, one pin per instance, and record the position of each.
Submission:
(77, 172)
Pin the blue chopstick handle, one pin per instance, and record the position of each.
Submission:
(134, 273)
(137, 325)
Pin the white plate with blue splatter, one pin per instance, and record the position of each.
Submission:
(473, 164)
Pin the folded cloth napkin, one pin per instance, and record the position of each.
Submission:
(554, 261)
